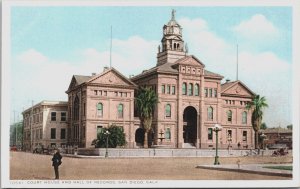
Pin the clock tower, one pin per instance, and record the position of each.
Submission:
(172, 44)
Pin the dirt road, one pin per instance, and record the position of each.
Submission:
(34, 166)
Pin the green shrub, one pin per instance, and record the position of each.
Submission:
(116, 138)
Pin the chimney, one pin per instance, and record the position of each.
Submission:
(131, 75)
(93, 74)
(227, 80)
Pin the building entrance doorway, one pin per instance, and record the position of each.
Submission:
(190, 125)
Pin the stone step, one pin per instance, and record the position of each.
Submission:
(188, 145)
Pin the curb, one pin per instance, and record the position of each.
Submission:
(247, 171)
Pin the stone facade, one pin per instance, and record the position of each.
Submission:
(191, 101)
(98, 101)
(45, 124)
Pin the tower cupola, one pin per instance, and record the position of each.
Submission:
(172, 44)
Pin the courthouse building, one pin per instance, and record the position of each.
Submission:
(191, 101)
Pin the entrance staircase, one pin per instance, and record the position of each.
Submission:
(188, 145)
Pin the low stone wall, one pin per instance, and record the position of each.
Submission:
(154, 152)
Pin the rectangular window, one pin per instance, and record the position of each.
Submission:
(63, 116)
(241, 103)
(100, 93)
(173, 90)
(168, 134)
(215, 93)
(53, 116)
(99, 129)
(163, 89)
(229, 135)
(105, 93)
(210, 133)
(245, 136)
(168, 89)
(116, 93)
(41, 133)
(53, 133)
(84, 109)
(95, 92)
(63, 134)
(210, 92)
(206, 92)
(125, 94)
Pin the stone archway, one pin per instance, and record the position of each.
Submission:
(190, 125)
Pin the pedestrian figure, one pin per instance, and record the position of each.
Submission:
(56, 161)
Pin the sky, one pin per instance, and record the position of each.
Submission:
(50, 44)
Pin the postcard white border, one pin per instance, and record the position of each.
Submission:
(5, 94)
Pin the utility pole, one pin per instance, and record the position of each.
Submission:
(237, 62)
(31, 121)
(110, 46)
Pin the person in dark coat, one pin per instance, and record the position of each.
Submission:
(56, 161)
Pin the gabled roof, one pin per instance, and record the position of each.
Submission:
(228, 85)
(125, 79)
(82, 78)
(185, 60)
(173, 68)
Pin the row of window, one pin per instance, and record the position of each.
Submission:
(168, 89)
(244, 117)
(229, 135)
(211, 92)
(62, 133)
(36, 118)
(120, 110)
(100, 93)
(210, 114)
(242, 103)
(190, 89)
(104, 93)
(63, 116)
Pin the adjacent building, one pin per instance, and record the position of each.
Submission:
(278, 137)
(45, 124)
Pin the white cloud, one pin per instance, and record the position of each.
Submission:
(264, 72)
(258, 27)
(32, 56)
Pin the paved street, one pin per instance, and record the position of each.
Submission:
(35, 166)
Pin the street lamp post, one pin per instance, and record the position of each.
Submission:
(217, 128)
(263, 137)
(106, 134)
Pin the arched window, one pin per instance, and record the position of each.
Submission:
(244, 117)
(174, 46)
(76, 109)
(120, 111)
(197, 90)
(229, 116)
(168, 134)
(210, 113)
(168, 110)
(184, 88)
(190, 91)
(177, 45)
(100, 109)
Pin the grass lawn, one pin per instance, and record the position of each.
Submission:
(290, 168)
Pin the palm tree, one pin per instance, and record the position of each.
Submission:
(146, 100)
(257, 105)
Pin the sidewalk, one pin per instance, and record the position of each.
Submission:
(251, 168)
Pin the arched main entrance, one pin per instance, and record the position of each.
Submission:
(190, 125)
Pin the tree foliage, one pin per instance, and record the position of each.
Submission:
(145, 101)
(263, 126)
(116, 137)
(257, 105)
(290, 127)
